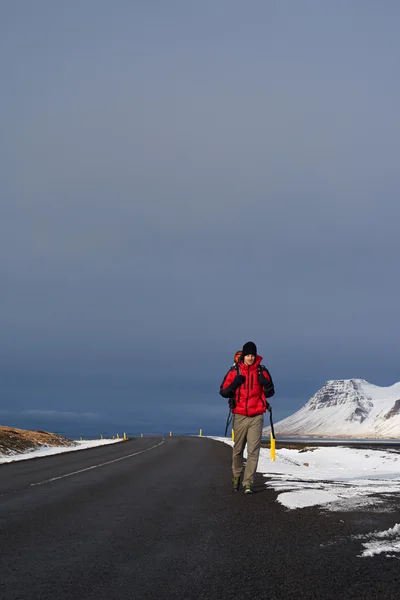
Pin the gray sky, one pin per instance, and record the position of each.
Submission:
(180, 177)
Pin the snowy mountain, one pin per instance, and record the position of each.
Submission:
(350, 408)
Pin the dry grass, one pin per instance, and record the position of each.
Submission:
(15, 441)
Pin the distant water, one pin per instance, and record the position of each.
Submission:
(338, 441)
(74, 435)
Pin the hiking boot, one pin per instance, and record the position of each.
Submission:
(247, 489)
(235, 483)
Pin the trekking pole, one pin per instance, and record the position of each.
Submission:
(228, 421)
(272, 437)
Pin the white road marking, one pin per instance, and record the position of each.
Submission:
(99, 465)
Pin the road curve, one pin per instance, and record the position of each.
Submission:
(154, 518)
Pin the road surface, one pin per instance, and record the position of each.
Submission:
(154, 518)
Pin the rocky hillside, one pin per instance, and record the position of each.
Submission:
(15, 441)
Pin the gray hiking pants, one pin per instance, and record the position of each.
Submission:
(247, 430)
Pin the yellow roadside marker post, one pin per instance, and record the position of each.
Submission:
(125, 436)
(233, 435)
(272, 438)
(272, 441)
(201, 432)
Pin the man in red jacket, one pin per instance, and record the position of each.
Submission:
(247, 385)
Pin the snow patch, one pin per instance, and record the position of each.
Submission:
(380, 542)
(337, 478)
(46, 451)
(306, 498)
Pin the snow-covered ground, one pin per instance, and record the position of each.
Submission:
(337, 479)
(46, 451)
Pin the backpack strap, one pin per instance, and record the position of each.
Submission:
(234, 367)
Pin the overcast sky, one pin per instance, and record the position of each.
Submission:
(180, 177)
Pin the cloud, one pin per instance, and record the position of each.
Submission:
(173, 191)
(53, 415)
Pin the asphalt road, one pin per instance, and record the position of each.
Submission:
(155, 518)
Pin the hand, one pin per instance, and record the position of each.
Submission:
(232, 403)
(239, 379)
(268, 406)
(269, 391)
(237, 382)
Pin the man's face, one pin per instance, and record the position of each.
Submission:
(249, 359)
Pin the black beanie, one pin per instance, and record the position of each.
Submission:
(249, 348)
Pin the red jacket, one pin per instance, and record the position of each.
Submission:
(250, 397)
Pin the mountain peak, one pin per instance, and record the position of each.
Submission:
(347, 407)
(346, 381)
(342, 391)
